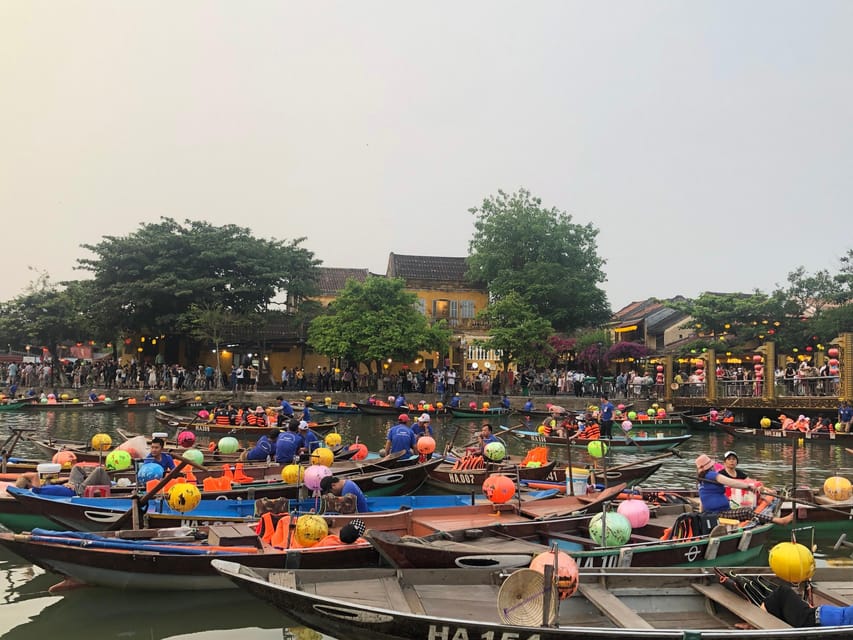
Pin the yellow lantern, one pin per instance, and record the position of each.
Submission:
(765, 423)
(323, 456)
(101, 442)
(292, 473)
(837, 488)
(333, 440)
(310, 529)
(184, 496)
(792, 562)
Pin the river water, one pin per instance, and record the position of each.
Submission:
(29, 611)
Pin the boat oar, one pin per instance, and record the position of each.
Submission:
(795, 501)
(139, 502)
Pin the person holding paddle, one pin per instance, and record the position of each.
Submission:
(712, 494)
(605, 416)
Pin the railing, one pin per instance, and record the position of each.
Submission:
(785, 387)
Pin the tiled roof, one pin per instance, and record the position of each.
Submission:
(427, 268)
(331, 280)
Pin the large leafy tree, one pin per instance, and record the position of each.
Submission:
(375, 320)
(517, 331)
(551, 262)
(146, 281)
(45, 315)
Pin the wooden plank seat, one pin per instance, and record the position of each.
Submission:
(748, 612)
(617, 611)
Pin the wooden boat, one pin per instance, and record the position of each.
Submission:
(111, 559)
(69, 405)
(13, 404)
(448, 477)
(618, 444)
(610, 604)
(346, 409)
(645, 548)
(135, 404)
(460, 412)
(630, 475)
(813, 437)
(193, 424)
(386, 410)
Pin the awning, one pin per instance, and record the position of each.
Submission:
(632, 327)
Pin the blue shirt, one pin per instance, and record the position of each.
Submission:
(306, 414)
(607, 410)
(422, 429)
(505, 402)
(311, 439)
(402, 439)
(286, 408)
(58, 490)
(712, 494)
(360, 500)
(287, 447)
(165, 461)
(528, 406)
(845, 414)
(454, 402)
(400, 401)
(262, 450)
(490, 439)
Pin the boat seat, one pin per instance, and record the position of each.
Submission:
(748, 612)
(587, 542)
(617, 611)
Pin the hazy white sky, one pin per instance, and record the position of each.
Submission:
(710, 142)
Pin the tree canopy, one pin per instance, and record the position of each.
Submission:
(147, 280)
(551, 262)
(375, 320)
(517, 331)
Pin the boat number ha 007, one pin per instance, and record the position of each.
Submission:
(461, 633)
(461, 478)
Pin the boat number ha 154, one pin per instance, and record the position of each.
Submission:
(461, 633)
(461, 478)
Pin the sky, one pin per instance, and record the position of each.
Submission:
(709, 142)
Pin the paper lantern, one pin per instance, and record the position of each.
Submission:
(130, 401)
(498, 489)
(66, 459)
(314, 474)
(834, 488)
(627, 425)
(101, 441)
(102, 397)
(203, 414)
(495, 451)
(310, 529)
(661, 413)
(621, 407)
(486, 406)
(614, 530)
(426, 445)
(293, 473)
(196, 456)
(118, 460)
(637, 512)
(714, 414)
(186, 439)
(765, 423)
(541, 429)
(228, 444)
(184, 497)
(322, 456)
(659, 368)
(792, 562)
(197, 398)
(148, 471)
(327, 401)
(632, 415)
(65, 396)
(567, 570)
(650, 413)
(164, 398)
(439, 405)
(655, 406)
(361, 450)
(597, 448)
(75, 401)
(332, 439)
(472, 405)
(307, 398)
(832, 352)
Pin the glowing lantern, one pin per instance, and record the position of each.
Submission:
(66, 459)
(765, 423)
(164, 398)
(597, 448)
(310, 529)
(184, 497)
(118, 460)
(361, 451)
(614, 529)
(637, 512)
(293, 473)
(186, 439)
(495, 451)
(332, 439)
(322, 456)
(314, 474)
(567, 570)
(835, 488)
(426, 445)
(228, 444)
(101, 442)
(498, 489)
(792, 562)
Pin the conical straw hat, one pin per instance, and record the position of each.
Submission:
(520, 599)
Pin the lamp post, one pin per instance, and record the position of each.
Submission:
(600, 373)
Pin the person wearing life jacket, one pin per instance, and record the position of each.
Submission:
(801, 424)
(220, 415)
(712, 494)
(591, 430)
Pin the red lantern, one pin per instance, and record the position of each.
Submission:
(756, 358)
(832, 352)
(659, 368)
(833, 362)
(499, 489)
(809, 349)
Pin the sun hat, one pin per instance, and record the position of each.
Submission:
(425, 417)
(730, 453)
(303, 425)
(703, 462)
(403, 417)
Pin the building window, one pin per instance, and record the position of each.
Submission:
(420, 305)
(440, 309)
(466, 309)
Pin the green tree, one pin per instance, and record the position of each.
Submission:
(375, 320)
(551, 262)
(146, 281)
(517, 331)
(210, 323)
(45, 315)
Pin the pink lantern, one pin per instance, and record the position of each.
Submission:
(833, 362)
(621, 407)
(186, 439)
(637, 512)
(627, 425)
(756, 358)
(661, 413)
(714, 414)
(315, 474)
(659, 368)
(832, 352)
